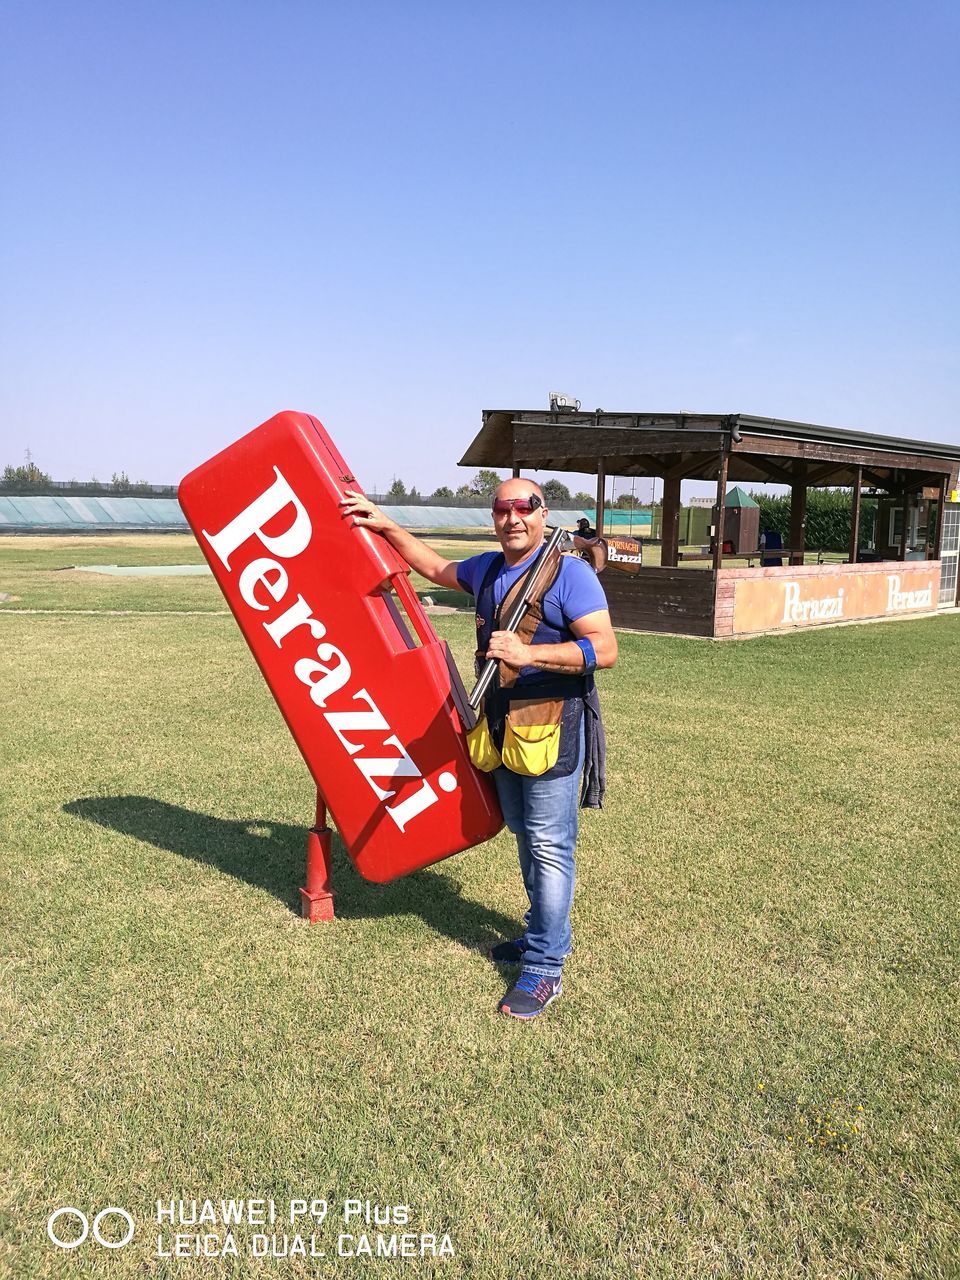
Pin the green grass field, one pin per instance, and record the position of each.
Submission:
(752, 1071)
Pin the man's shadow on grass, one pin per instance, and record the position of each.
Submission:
(272, 856)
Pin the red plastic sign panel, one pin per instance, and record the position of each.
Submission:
(378, 713)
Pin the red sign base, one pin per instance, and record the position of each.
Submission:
(316, 897)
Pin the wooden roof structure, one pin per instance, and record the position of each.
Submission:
(690, 446)
(725, 448)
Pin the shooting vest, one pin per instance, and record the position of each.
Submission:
(531, 727)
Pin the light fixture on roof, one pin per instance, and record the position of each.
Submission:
(563, 404)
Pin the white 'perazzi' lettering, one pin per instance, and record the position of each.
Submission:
(260, 512)
(330, 671)
(819, 610)
(898, 599)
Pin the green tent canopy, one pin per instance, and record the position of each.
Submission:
(738, 497)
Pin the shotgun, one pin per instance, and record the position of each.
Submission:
(532, 583)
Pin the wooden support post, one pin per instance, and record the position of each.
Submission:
(516, 473)
(905, 523)
(601, 494)
(670, 535)
(941, 512)
(798, 514)
(855, 516)
(721, 505)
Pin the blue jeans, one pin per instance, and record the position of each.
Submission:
(543, 814)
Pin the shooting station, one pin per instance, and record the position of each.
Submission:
(740, 582)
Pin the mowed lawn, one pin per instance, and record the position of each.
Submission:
(752, 1071)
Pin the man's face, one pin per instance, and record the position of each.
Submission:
(519, 534)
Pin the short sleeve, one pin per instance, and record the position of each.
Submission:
(579, 589)
(470, 572)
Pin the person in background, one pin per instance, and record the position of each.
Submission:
(584, 528)
(552, 675)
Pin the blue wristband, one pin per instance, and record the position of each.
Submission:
(589, 656)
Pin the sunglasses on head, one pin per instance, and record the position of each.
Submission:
(522, 506)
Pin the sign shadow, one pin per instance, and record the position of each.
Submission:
(271, 856)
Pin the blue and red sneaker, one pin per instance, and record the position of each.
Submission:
(530, 995)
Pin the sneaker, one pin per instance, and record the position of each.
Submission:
(531, 995)
(507, 952)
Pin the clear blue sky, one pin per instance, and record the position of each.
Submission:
(396, 215)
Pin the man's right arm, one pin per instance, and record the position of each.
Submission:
(418, 555)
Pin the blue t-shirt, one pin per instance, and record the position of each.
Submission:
(576, 590)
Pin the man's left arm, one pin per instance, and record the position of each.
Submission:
(568, 658)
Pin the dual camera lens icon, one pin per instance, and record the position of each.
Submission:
(72, 1232)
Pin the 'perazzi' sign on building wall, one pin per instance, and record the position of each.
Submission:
(775, 603)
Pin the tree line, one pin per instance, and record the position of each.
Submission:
(482, 487)
(829, 518)
(829, 511)
(29, 478)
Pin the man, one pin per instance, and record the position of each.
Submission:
(555, 671)
(585, 529)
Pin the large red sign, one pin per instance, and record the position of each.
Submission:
(377, 710)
